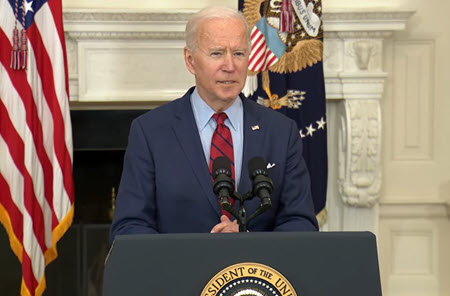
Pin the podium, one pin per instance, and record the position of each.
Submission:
(313, 263)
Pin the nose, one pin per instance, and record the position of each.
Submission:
(228, 63)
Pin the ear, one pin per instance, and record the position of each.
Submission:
(189, 60)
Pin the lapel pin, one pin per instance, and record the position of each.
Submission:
(255, 127)
(270, 165)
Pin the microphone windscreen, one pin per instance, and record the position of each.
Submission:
(257, 165)
(221, 165)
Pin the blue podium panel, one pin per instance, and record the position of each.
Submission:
(313, 263)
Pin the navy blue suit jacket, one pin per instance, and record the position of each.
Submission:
(166, 186)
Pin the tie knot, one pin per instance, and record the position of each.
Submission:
(220, 117)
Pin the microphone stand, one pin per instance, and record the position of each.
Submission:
(241, 215)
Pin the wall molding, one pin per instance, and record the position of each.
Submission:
(415, 209)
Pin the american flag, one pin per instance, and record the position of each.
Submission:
(261, 55)
(36, 186)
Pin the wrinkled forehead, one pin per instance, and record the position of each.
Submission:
(229, 31)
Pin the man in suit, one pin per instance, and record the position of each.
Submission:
(166, 185)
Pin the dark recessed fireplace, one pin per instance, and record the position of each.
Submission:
(100, 139)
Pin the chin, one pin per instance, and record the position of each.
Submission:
(229, 96)
(231, 92)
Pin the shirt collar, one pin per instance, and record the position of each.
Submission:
(203, 112)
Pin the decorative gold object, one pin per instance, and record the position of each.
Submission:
(113, 204)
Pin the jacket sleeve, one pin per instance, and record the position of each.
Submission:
(296, 209)
(135, 211)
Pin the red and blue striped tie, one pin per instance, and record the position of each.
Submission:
(222, 145)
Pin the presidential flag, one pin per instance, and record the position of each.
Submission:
(286, 74)
(36, 186)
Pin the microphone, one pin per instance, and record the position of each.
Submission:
(262, 184)
(223, 185)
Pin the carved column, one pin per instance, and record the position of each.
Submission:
(353, 58)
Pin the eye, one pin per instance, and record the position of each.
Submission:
(239, 54)
(216, 54)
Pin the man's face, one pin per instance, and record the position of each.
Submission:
(220, 61)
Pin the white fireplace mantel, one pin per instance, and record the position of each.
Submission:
(126, 59)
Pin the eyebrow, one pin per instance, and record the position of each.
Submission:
(216, 49)
(223, 49)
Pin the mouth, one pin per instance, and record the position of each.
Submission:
(227, 82)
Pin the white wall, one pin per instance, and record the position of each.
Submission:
(414, 234)
(196, 4)
(147, 5)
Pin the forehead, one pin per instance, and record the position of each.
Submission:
(222, 32)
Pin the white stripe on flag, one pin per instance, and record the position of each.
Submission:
(17, 114)
(32, 247)
(7, 19)
(12, 177)
(45, 23)
(55, 50)
(61, 201)
(16, 185)
(268, 59)
(257, 63)
(258, 41)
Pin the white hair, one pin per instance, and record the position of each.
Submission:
(212, 12)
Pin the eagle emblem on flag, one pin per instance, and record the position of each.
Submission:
(285, 73)
(286, 39)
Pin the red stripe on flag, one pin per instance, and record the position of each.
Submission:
(14, 213)
(5, 50)
(260, 63)
(45, 70)
(271, 62)
(18, 79)
(29, 280)
(257, 40)
(269, 59)
(256, 53)
(266, 54)
(56, 10)
(17, 152)
(256, 50)
(254, 32)
(266, 59)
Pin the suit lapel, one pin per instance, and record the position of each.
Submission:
(188, 137)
